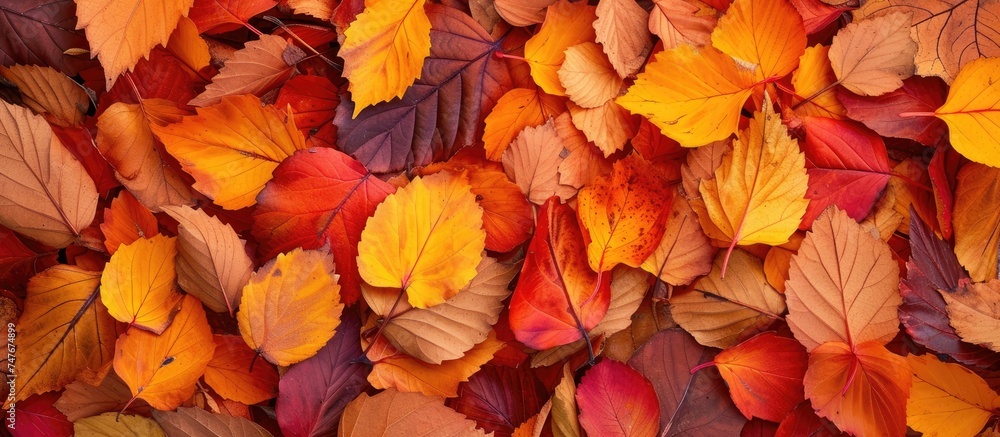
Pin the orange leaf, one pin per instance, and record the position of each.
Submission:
(815, 78)
(384, 50)
(519, 108)
(947, 399)
(255, 69)
(232, 148)
(588, 76)
(684, 253)
(766, 35)
(126, 221)
(558, 297)
(609, 126)
(624, 214)
(862, 389)
(233, 374)
(973, 312)
(977, 222)
(585, 162)
(163, 369)
(764, 375)
(621, 29)
(395, 413)
(679, 22)
(291, 307)
(139, 284)
(49, 93)
(522, 12)
(693, 95)
(972, 112)
(614, 399)
(533, 162)
(566, 25)
(843, 285)
(873, 56)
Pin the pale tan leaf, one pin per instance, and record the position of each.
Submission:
(872, 57)
(532, 161)
(49, 93)
(588, 76)
(608, 126)
(192, 421)
(522, 13)
(256, 69)
(701, 164)
(974, 312)
(622, 30)
(391, 413)
(679, 22)
(685, 252)
(80, 399)
(565, 422)
(583, 162)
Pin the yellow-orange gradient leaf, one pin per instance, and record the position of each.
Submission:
(972, 111)
(566, 25)
(291, 307)
(232, 148)
(947, 400)
(427, 238)
(977, 222)
(766, 35)
(139, 284)
(815, 78)
(588, 76)
(518, 109)
(384, 50)
(126, 221)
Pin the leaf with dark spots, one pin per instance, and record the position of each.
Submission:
(442, 111)
(500, 398)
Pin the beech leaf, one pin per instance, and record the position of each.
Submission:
(872, 57)
(394, 413)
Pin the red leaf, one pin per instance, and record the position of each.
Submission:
(557, 295)
(690, 405)
(162, 76)
(943, 171)
(81, 144)
(816, 15)
(314, 102)
(882, 113)
(312, 394)
(317, 197)
(847, 167)
(500, 398)
(932, 267)
(18, 262)
(36, 416)
(804, 421)
(218, 16)
(614, 399)
(442, 111)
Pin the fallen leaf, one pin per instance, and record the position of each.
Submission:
(872, 57)
(588, 77)
(233, 374)
(196, 421)
(615, 399)
(566, 25)
(42, 31)
(126, 221)
(722, 311)
(110, 424)
(498, 398)
(972, 112)
(584, 162)
(393, 413)
(257, 68)
(817, 14)
(522, 12)
(516, 110)
(608, 126)
(232, 148)
(881, 114)
(947, 399)
(766, 36)
(684, 252)
(533, 160)
(218, 16)
(384, 50)
(508, 217)
(314, 102)
(139, 283)
(291, 306)
(47, 195)
(49, 93)
(621, 30)
(973, 312)
(814, 82)
(80, 399)
(163, 369)
(977, 223)
(679, 22)
(565, 421)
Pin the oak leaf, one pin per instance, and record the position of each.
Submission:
(621, 30)
(233, 374)
(947, 399)
(872, 57)
(764, 35)
(291, 306)
(427, 247)
(588, 77)
(384, 50)
(616, 399)
(977, 223)
(163, 369)
(139, 283)
(516, 110)
(49, 93)
(255, 69)
(232, 148)
(126, 221)
(972, 111)
(566, 25)
(121, 32)
(46, 193)
(679, 22)
(396, 413)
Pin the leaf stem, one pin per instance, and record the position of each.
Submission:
(385, 321)
(702, 366)
(916, 114)
(815, 95)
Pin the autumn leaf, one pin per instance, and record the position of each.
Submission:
(972, 112)
(80, 399)
(392, 413)
(564, 412)
(766, 35)
(814, 82)
(499, 397)
(532, 162)
(977, 223)
(139, 283)
(122, 31)
(621, 30)
(193, 421)
(232, 148)
(291, 306)
(684, 253)
(49, 93)
(233, 374)
(516, 110)
(615, 399)
(427, 247)
(163, 369)
(679, 22)
(872, 57)
(42, 32)
(882, 114)
(256, 69)
(126, 221)
(566, 25)
(608, 126)
(588, 77)
(971, 311)
(111, 424)
(764, 170)
(384, 50)
(947, 399)
(47, 194)
(218, 16)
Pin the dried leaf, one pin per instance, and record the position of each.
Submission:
(139, 283)
(764, 375)
(872, 57)
(977, 222)
(49, 93)
(566, 25)
(394, 413)
(622, 31)
(195, 421)
(679, 22)
(533, 160)
(255, 69)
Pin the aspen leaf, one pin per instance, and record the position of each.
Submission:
(425, 239)
(566, 25)
(624, 214)
(766, 35)
(163, 369)
(384, 50)
(693, 95)
(723, 311)
(126, 221)
(615, 399)
(758, 193)
(233, 374)
(139, 283)
(121, 32)
(842, 285)
(947, 399)
(49, 93)
(684, 253)
(588, 77)
(232, 148)
(977, 222)
(516, 110)
(622, 31)
(972, 112)
(533, 161)
(397, 413)
(862, 388)
(679, 22)
(291, 307)
(872, 57)
(45, 193)
(255, 69)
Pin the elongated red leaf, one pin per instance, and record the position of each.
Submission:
(882, 113)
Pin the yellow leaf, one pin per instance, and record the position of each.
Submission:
(384, 50)
(187, 45)
(767, 35)
(566, 25)
(947, 400)
(693, 95)
(588, 76)
(874, 56)
(758, 193)
(139, 283)
(291, 307)
(813, 76)
(232, 148)
(518, 109)
(427, 238)
(972, 111)
(113, 425)
(121, 32)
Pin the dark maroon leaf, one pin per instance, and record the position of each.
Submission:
(932, 267)
(313, 393)
(881, 113)
(500, 398)
(690, 405)
(37, 32)
(804, 422)
(442, 111)
(759, 428)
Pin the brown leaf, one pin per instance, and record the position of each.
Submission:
(532, 161)
(872, 57)
(80, 399)
(49, 93)
(975, 313)
(256, 69)
(977, 220)
(621, 29)
(191, 421)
